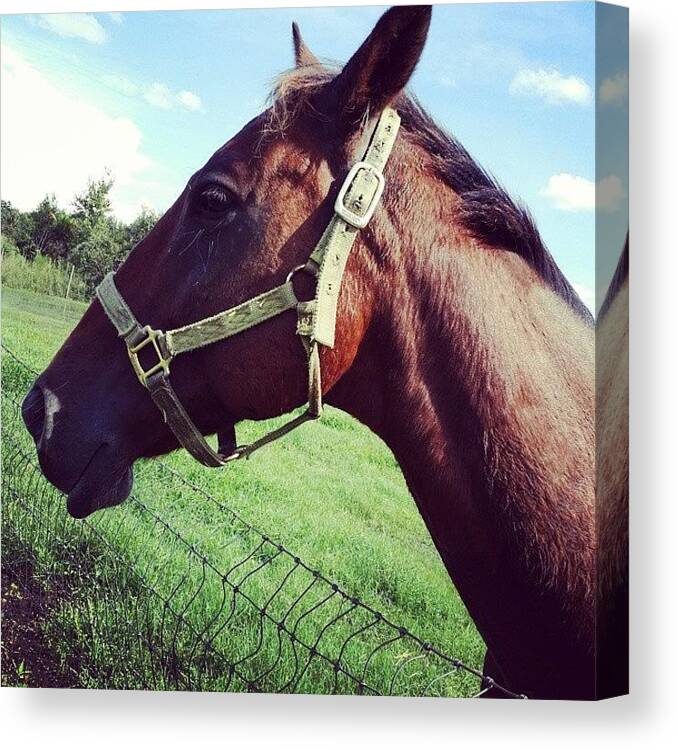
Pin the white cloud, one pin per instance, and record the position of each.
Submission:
(53, 142)
(120, 83)
(189, 100)
(552, 86)
(156, 94)
(159, 95)
(569, 192)
(116, 17)
(77, 25)
(586, 295)
(615, 90)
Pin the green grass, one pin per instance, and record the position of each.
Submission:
(331, 493)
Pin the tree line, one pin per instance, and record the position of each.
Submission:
(87, 235)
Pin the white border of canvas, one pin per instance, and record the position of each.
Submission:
(72, 719)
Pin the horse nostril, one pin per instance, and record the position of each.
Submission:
(33, 412)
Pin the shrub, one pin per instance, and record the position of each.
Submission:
(40, 275)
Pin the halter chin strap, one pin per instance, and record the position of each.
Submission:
(316, 319)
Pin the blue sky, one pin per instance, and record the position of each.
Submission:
(152, 94)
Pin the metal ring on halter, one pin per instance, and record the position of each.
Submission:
(308, 267)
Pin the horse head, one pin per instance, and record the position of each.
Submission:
(245, 220)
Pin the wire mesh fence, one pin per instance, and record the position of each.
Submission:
(135, 602)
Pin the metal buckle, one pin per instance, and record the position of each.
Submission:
(152, 337)
(359, 220)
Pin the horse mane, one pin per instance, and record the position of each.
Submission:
(620, 275)
(486, 210)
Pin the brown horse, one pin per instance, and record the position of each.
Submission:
(459, 342)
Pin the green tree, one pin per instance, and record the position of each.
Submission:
(100, 252)
(88, 236)
(53, 230)
(100, 241)
(94, 203)
(18, 227)
(141, 226)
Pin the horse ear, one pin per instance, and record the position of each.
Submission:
(302, 54)
(383, 65)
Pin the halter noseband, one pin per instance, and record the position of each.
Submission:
(316, 319)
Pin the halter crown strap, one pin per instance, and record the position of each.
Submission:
(354, 206)
(316, 320)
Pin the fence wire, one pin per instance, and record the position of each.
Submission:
(135, 602)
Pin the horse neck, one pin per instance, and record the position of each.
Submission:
(480, 379)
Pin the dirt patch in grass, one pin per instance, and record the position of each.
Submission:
(27, 659)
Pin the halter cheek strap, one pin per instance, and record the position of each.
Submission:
(316, 319)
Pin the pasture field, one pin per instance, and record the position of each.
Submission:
(195, 581)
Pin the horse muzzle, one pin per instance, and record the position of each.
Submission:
(106, 481)
(94, 472)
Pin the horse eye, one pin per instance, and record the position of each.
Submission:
(214, 200)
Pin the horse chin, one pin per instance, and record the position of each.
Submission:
(100, 487)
